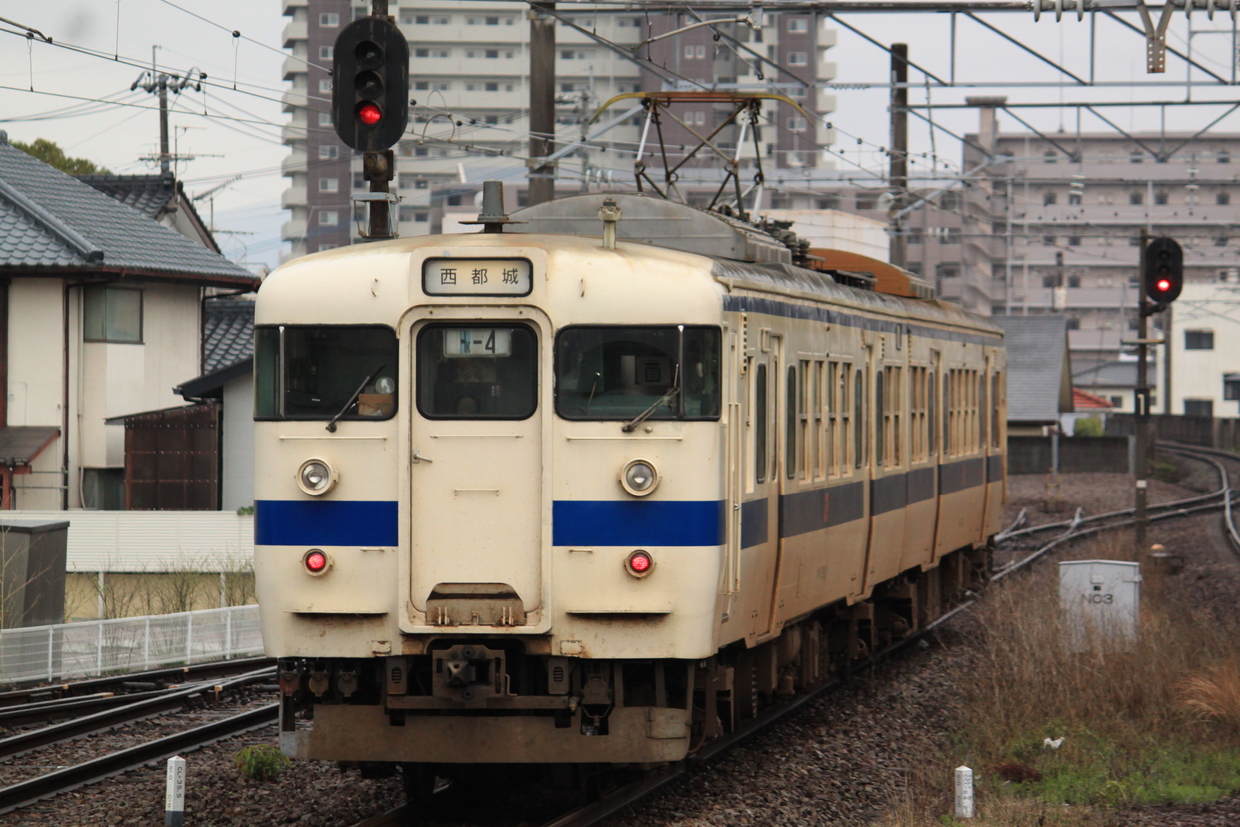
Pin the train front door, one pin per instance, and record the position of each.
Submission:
(476, 471)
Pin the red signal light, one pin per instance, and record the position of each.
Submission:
(316, 562)
(1162, 285)
(369, 114)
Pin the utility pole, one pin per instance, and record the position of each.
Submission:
(1142, 403)
(899, 151)
(542, 102)
(158, 83)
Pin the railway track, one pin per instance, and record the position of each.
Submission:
(1222, 499)
(142, 681)
(79, 698)
(122, 710)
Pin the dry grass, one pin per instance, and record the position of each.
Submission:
(1160, 722)
(1215, 694)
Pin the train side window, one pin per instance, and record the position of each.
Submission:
(932, 417)
(982, 414)
(266, 372)
(994, 410)
(818, 400)
(759, 424)
(859, 418)
(790, 424)
(895, 394)
(947, 413)
(880, 412)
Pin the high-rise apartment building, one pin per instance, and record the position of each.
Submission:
(469, 72)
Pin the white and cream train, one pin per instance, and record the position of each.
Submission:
(539, 495)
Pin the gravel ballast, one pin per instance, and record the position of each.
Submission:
(846, 758)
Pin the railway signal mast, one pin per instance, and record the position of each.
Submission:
(370, 105)
(1162, 276)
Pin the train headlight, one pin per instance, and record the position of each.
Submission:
(639, 477)
(639, 564)
(316, 477)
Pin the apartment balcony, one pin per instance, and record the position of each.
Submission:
(291, 6)
(410, 197)
(827, 37)
(293, 133)
(826, 71)
(293, 66)
(294, 230)
(293, 197)
(293, 99)
(294, 163)
(824, 101)
(295, 31)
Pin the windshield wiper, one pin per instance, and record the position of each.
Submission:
(658, 403)
(331, 426)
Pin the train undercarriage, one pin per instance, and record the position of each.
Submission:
(491, 701)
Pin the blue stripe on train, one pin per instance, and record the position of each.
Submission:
(326, 523)
(637, 523)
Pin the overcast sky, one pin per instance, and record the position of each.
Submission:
(232, 128)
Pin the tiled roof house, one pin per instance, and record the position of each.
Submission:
(100, 316)
(1039, 377)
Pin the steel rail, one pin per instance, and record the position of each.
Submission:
(1179, 508)
(596, 811)
(111, 683)
(26, 792)
(59, 708)
(107, 719)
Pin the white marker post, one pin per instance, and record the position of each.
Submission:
(174, 798)
(964, 792)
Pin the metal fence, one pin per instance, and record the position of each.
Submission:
(132, 644)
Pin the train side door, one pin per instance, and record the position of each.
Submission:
(759, 530)
(477, 481)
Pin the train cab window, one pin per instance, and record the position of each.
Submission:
(619, 373)
(483, 371)
(325, 372)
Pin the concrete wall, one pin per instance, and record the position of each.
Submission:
(1077, 455)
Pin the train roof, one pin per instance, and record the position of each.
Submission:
(748, 255)
(673, 232)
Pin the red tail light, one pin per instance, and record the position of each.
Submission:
(639, 563)
(316, 561)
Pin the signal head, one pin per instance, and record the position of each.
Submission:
(1164, 270)
(370, 84)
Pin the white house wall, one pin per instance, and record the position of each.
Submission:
(1198, 374)
(36, 347)
(105, 380)
(36, 381)
(119, 379)
(238, 444)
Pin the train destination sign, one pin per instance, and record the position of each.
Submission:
(477, 277)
